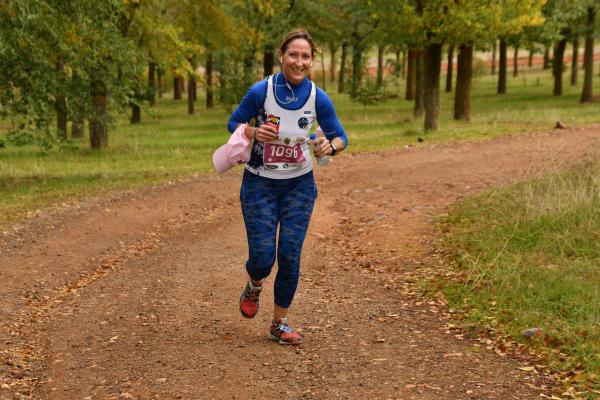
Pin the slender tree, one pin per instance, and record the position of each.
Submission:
(449, 68)
(380, 55)
(209, 80)
(502, 67)
(433, 62)
(342, 75)
(516, 61)
(558, 66)
(546, 64)
(411, 74)
(419, 99)
(588, 57)
(575, 60)
(494, 48)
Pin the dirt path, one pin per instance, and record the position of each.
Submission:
(136, 296)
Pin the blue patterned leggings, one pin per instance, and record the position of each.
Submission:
(267, 203)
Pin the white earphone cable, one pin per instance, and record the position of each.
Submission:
(287, 84)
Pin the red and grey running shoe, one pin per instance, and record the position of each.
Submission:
(249, 300)
(283, 333)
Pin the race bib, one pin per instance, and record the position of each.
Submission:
(277, 155)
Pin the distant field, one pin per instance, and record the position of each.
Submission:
(170, 144)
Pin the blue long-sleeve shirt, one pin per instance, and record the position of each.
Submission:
(254, 99)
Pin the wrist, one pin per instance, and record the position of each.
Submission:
(334, 148)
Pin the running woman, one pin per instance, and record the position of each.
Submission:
(278, 187)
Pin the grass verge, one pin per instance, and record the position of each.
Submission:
(528, 256)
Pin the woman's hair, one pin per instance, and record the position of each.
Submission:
(298, 34)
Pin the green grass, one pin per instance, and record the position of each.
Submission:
(528, 255)
(169, 143)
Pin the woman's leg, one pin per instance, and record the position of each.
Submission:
(295, 210)
(259, 203)
(260, 209)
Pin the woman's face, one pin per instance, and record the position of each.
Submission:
(297, 60)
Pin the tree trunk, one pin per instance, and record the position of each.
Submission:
(209, 80)
(77, 128)
(464, 75)
(159, 75)
(136, 113)
(333, 50)
(588, 57)
(357, 53)
(177, 90)
(546, 57)
(502, 68)
(342, 77)
(323, 73)
(575, 61)
(419, 95)
(494, 57)
(403, 67)
(449, 68)
(411, 74)
(557, 66)
(60, 103)
(268, 61)
(194, 86)
(433, 63)
(60, 106)
(516, 62)
(380, 54)
(530, 60)
(191, 87)
(152, 81)
(98, 120)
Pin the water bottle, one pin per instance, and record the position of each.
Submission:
(323, 160)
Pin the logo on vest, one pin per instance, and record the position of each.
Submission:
(303, 122)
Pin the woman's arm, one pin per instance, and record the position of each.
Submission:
(330, 124)
(249, 107)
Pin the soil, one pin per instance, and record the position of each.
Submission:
(136, 295)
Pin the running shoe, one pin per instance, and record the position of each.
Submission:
(249, 300)
(283, 333)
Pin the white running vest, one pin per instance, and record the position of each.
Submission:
(294, 128)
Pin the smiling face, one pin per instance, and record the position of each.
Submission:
(297, 60)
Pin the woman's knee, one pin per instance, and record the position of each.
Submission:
(259, 265)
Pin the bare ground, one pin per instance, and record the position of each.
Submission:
(135, 296)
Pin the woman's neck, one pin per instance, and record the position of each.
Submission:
(284, 79)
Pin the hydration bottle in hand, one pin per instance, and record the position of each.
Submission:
(324, 159)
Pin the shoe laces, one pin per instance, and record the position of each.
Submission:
(252, 292)
(282, 325)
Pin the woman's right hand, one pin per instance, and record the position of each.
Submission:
(266, 133)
